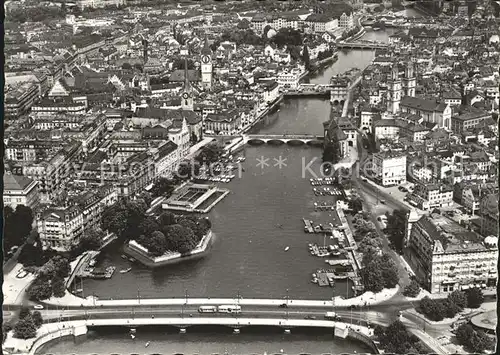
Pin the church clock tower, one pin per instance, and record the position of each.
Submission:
(187, 92)
(394, 92)
(206, 66)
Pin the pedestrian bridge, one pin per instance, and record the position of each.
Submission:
(309, 90)
(362, 45)
(292, 139)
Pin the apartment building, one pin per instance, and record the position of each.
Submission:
(320, 23)
(468, 118)
(435, 195)
(54, 173)
(19, 190)
(489, 214)
(389, 168)
(223, 122)
(346, 21)
(19, 98)
(289, 79)
(61, 227)
(447, 257)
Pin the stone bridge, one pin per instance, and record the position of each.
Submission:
(292, 139)
(362, 45)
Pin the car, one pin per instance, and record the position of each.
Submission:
(382, 202)
(309, 317)
(38, 306)
(283, 305)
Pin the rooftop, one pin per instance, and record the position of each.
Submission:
(451, 236)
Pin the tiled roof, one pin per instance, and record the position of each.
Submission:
(15, 182)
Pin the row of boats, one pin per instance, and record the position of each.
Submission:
(326, 191)
(309, 227)
(220, 178)
(322, 181)
(330, 250)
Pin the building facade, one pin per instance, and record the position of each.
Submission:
(447, 257)
(389, 168)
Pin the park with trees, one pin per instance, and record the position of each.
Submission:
(379, 269)
(169, 232)
(26, 326)
(395, 230)
(172, 233)
(396, 339)
(17, 226)
(475, 341)
(456, 302)
(49, 281)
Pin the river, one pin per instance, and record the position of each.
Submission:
(253, 225)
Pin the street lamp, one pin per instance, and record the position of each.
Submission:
(186, 293)
(138, 296)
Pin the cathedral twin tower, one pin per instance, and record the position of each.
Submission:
(399, 87)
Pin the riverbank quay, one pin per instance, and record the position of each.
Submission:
(141, 254)
(368, 299)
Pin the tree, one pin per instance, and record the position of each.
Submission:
(148, 225)
(156, 243)
(24, 312)
(61, 265)
(180, 238)
(356, 204)
(396, 225)
(243, 24)
(40, 290)
(163, 187)
(413, 289)
(186, 170)
(17, 226)
(25, 328)
(58, 289)
(396, 338)
(210, 154)
(459, 298)
(432, 309)
(167, 219)
(92, 239)
(126, 66)
(476, 341)
(450, 308)
(123, 218)
(475, 297)
(305, 57)
(372, 278)
(37, 319)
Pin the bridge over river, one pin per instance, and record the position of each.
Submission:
(362, 45)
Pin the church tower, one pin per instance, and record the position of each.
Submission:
(187, 91)
(394, 90)
(206, 66)
(410, 80)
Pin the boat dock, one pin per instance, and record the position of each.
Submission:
(308, 226)
(97, 273)
(341, 262)
(324, 207)
(323, 280)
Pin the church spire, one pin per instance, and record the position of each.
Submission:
(187, 85)
(206, 48)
